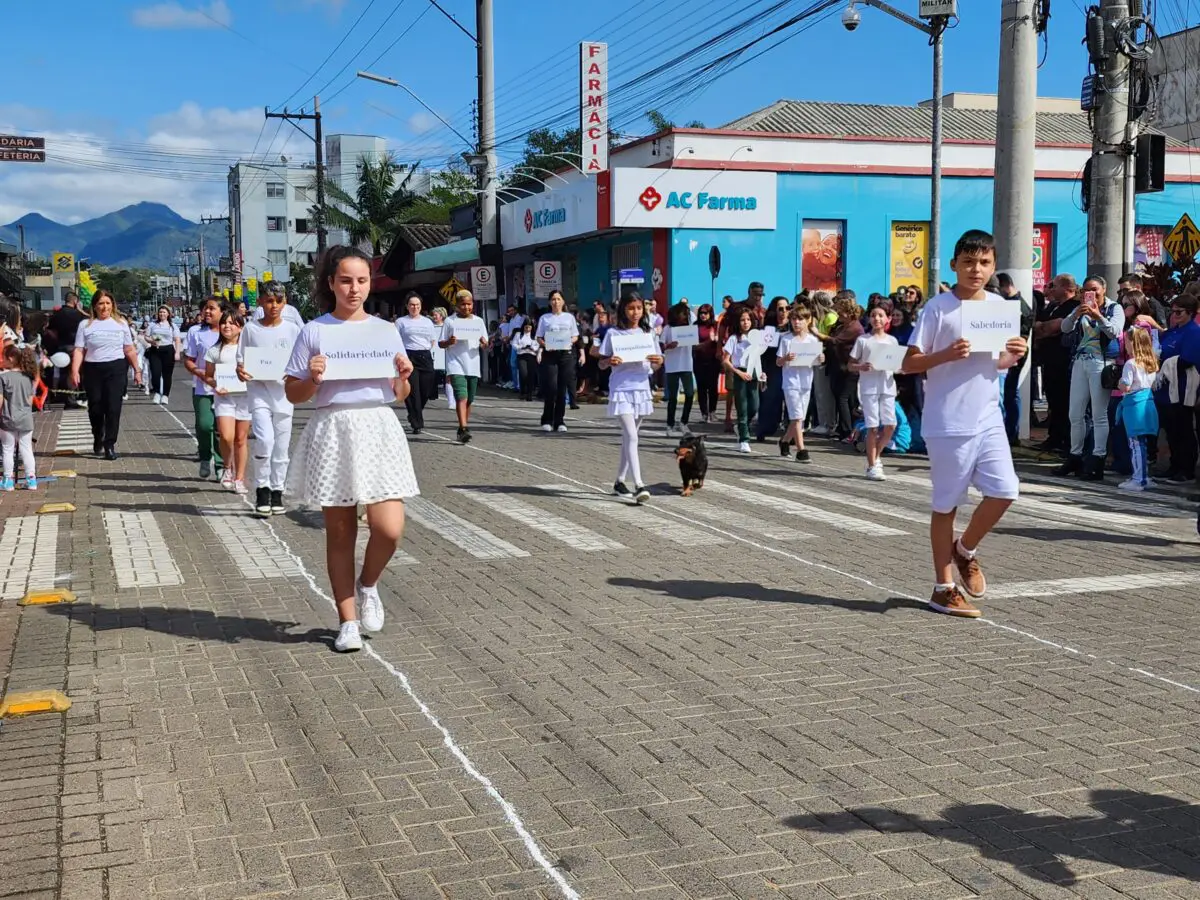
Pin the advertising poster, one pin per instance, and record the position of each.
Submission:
(910, 251)
(1043, 256)
(822, 267)
(1148, 246)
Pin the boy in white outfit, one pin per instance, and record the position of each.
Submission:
(270, 411)
(963, 425)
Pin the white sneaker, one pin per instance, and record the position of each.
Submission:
(1132, 485)
(672, 431)
(239, 487)
(821, 431)
(1150, 483)
(163, 400)
(547, 428)
(348, 639)
(156, 399)
(875, 473)
(227, 479)
(685, 431)
(562, 429)
(743, 447)
(370, 607)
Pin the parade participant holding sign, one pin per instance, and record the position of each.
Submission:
(799, 353)
(103, 352)
(419, 335)
(463, 336)
(630, 352)
(200, 338)
(262, 356)
(678, 339)
(963, 426)
(353, 450)
(231, 405)
(876, 389)
(743, 372)
(165, 345)
(557, 333)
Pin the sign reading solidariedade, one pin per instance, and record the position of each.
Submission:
(693, 198)
(349, 354)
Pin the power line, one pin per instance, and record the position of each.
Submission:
(328, 56)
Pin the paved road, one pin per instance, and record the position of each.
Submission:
(737, 695)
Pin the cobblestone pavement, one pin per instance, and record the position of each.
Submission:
(734, 695)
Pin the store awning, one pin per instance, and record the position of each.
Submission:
(446, 256)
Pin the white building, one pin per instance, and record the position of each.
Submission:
(344, 154)
(270, 214)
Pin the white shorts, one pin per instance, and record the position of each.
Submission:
(232, 406)
(797, 404)
(878, 409)
(983, 461)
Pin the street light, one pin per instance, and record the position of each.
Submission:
(935, 28)
(392, 82)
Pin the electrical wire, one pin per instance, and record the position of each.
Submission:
(328, 56)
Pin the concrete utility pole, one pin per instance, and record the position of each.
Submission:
(1016, 135)
(489, 232)
(317, 138)
(1111, 152)
(228, 220)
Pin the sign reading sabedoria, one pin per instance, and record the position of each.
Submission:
(693, 198)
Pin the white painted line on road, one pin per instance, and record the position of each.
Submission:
(640, 517)
(140, 555)
(74, 431)
(802, 510)
(28, 552)
(1096, 585)
(872, 506)
(466, 535)
(529, 516)
(399, 558)
(693, 508)
(247, 541)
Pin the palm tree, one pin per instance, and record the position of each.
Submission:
(377, 208)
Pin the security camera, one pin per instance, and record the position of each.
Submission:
(851, 18)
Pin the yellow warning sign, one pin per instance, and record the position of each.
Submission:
(450, 288)
(1184, 239)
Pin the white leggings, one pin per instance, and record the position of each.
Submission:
(9, 442)
(272, 441)
(629, 464)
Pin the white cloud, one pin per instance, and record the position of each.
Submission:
(174, 15)
(421, 121)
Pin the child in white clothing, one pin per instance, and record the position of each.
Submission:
(17, 377)
(795, 358)
(876, 391)
(231, 408)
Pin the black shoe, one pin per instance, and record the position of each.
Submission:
(784, 444)
(97, 448)
(620, 490)
(110, 454)
(1175, 478)
(464, 435)
(262, 502)
(277, 507)
(1072, 465)
(1093, 469)
(803, 457)
(416, 430)
(574, 406)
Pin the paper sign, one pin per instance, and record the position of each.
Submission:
(886, 357)
(557, 338)
(989, 324)
(265, 363)
(770, 336)
(469, 330)
(227, 380)
(805, 352)
(633, 347)
(685, 335)
(439, 358)
(350, 353)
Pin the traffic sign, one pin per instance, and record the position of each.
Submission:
(449, 289)
(547, 277)
(18, 148)
(483, 282)
(1184, 239)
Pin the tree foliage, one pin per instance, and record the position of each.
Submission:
(451, 188)
(659, 122)
(381, 203)
(545, 150)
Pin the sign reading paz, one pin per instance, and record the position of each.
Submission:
(989, 324)
(1184, 239)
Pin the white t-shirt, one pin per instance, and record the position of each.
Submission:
(353, 390)
(738, 346)
(962, 398)
(678, 359)
(562, 322)
(462, 358)
(289, 314)
(631, 376)
(874, 383)
(268, 394)
(526, 345)
(103, 340)
(418, 333)
(1135, 377)
(796, 378)
(514, 324)
(219, 354)
(162, 334)
(199, 339)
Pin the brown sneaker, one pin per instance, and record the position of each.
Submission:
(970, 575)
(953, 603)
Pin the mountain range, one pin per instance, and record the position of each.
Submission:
(141, 236)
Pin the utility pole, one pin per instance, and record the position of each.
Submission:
(1112, 152)
(187, 281)
(199, 251)
(1016, 136)
(208, 220)
(489, 232)
(317, 138)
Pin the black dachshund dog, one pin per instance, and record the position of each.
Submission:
(693, 463)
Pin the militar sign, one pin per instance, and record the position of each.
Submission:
(593, 106)
(18, 148)
(693, 198)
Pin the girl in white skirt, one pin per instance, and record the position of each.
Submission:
(629, 397)
(353, 450)
(231, 410)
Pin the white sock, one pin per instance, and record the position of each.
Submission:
(942, 588)
(963, 551)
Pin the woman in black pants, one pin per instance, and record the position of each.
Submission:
(419, 335)
(103, 351)
(706, 362)
(527, 354)
(165, 346)
(557, 334)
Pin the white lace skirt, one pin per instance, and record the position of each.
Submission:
(351, 455)
(631, 403)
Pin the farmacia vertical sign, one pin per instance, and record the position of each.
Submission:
(593, 106)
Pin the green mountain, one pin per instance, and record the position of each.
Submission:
(144, 235)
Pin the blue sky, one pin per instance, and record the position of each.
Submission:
(152, 100)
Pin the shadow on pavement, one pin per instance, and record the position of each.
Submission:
(747, 590)
(197, 624)
(1131, 830)
(1083, 534)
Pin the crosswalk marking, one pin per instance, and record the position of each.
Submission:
(795, 508)
(530, 516)
(28, 550)
(249, 542)
(399, 558)
(1094, 585)
(636, 517)
(883, 509)
(74, 431)
(476, 541)
(728, 518)
(140, 555)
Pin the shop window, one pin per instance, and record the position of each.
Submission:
(822, 247)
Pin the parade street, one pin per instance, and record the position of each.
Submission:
(737, 694)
